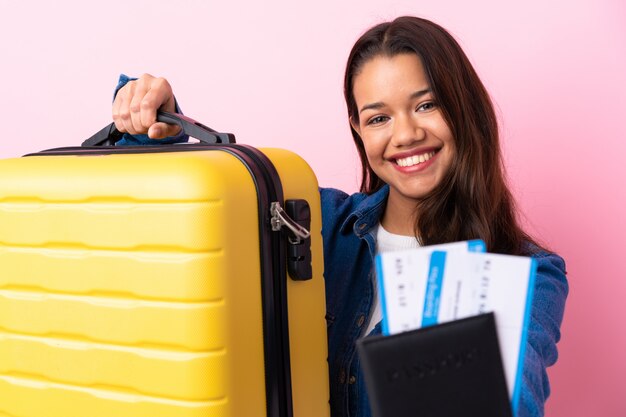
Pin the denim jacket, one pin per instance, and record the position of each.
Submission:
(348, 224)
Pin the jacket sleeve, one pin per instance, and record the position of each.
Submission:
(548, 305)
(130, 140)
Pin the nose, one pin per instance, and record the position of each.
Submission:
(406, 131)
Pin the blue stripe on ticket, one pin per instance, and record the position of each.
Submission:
(476, 246)
(517, 387)
(381, 295)
(433, 288)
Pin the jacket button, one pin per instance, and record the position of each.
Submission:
(352, 380)
(361, 321)
(362, 226)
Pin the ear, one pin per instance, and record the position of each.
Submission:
(355, 126)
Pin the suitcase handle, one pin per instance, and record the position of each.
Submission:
(109, 135)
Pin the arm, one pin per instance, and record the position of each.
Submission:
(551, 290)
(135, 104)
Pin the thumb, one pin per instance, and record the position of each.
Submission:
(161, 130)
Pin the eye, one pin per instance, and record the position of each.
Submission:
(427, 106)
(376, 120)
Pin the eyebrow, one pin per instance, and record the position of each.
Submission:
(380, 104)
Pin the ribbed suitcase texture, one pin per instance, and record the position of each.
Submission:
(130, 286)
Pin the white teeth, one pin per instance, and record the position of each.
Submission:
(415, 159)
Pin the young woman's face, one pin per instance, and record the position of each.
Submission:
(407, 141)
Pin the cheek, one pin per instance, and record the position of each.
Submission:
(373, 157)
(446, 134)
(374, 146)
(443, 132)
(450, 145)
(449, 160)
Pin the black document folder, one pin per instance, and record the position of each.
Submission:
(452, 369)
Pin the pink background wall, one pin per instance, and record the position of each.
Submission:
(271, 72)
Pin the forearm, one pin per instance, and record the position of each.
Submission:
(551, 291)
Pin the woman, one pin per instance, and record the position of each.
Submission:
(427, 136)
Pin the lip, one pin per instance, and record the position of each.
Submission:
(415, 168)
(413, 152)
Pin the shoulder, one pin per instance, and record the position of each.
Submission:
(341, 211)
(546, 260)
(337, 206)
(332, 197)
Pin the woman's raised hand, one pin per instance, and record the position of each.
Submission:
(136, 104)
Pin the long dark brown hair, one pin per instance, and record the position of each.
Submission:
(473, 200)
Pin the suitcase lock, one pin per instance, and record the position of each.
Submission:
(297, 218)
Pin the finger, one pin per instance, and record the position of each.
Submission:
(116, 109)
(117, 118)
(124, 109)
(136, 109)
(161, 130)
(149, 105)
(160, 96)
(163, 94)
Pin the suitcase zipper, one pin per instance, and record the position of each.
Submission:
(276, 324)
(272, 257)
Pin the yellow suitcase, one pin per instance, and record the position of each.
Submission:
(149, 282)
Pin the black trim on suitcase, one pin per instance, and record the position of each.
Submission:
(273, 259)
(275, 323)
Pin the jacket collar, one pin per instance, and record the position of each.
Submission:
(367, 213)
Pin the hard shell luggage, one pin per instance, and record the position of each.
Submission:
(161, 281)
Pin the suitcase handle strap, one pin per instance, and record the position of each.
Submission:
(109, 134)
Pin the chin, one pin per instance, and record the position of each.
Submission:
(417, 193)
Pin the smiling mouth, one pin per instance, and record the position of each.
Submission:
(415, 159)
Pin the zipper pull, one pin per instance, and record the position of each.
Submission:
(280, 218)
(297, 219)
